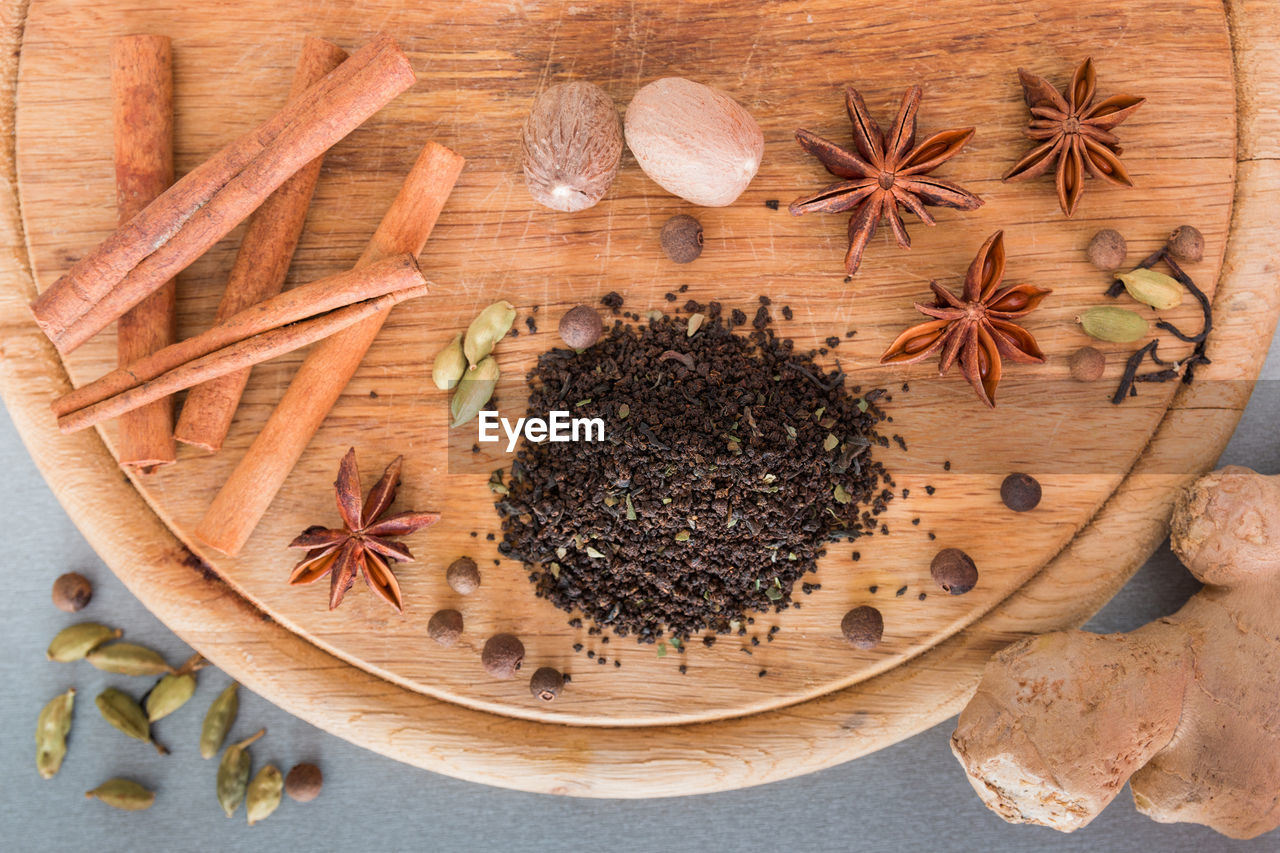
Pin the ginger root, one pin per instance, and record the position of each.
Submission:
(1186, 708)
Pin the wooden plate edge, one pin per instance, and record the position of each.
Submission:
(602, 762)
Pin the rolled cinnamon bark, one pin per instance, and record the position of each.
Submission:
(142, 112)
(238, 356)
(309, 300)
(207, 203)
(262, 263)
(252, 486)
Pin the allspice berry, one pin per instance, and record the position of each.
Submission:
(1020, 492)
(1107, 250)
(863, 627)
(71, 592)
(445, 627)
(303, 783)
(546, 684)
(1087, 364)
(954, 571)
(1186, 244)
(580, 327)
(502, 655)
(682, 238)
(463, 576)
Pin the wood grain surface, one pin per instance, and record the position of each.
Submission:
(371, 676)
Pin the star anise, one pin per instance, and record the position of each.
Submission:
(885, 173)
(1075, 136)
(976, 328)
(364, 543)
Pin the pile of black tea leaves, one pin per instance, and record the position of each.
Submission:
(730, 462)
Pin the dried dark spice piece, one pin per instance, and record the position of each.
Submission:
(365, 543)
(502, 655)
(713, 496)
(1170, 370)
(1074, 134)
(885, 172)
(863, 627)
(1020, 492)
(954, 571)
(976, 329)
(546, 684)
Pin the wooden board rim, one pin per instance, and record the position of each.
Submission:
(733, 753)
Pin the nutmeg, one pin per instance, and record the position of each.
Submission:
(303, 783)
(863, 627)
(463, 576)
(681, 238)
(546, 684)
(1107, 250)
(571, 146)
(954, 571)
(502, 655)
(71, 592)
(445, 627)
(696, 142)
(1186, 244)
(580, 327)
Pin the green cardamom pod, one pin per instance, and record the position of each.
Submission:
(1152, 288)
(128, 659)
(218, 720)
(121, 711)
(169, 694)
(1114, 325)
(52, 728)
(449, 365)
(76, 641)
(695, 323)
(123, 794)
(490, 326)
(473, 391)
(233, 773)
(263, 795)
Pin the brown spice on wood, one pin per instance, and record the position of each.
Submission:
(713, 495)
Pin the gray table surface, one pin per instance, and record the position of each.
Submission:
(911, 796)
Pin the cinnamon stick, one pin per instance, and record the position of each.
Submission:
(249, 491)
(142, 113)
(238, 356)
(207, 203)
(261, 265)
(309, 300)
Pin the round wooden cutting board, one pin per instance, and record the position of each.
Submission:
(1201, 150)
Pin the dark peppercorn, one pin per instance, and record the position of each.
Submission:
(445, 627)
(546, 684)
(580, 327)
(863, 627)
(681, 238)
(303, 783)
(502, 655)
(463, 576)
(1020, 492)
(954, 571)
(71, 592)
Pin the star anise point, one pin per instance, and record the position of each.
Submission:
(364, 543)
(883, 173)
(975, 329)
